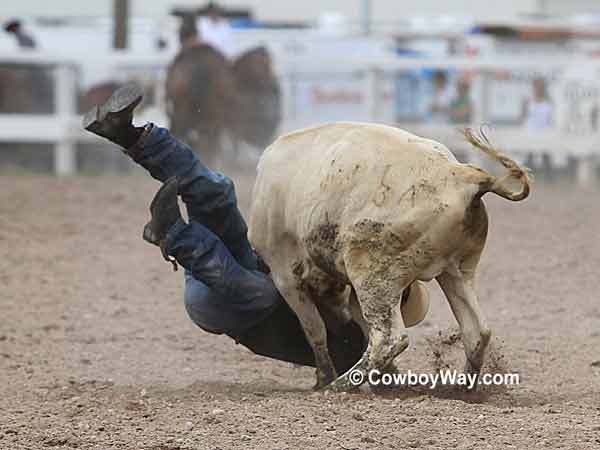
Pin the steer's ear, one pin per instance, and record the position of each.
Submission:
(414, 307)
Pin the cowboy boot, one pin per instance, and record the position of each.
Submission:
(112, 119)
(164, 213)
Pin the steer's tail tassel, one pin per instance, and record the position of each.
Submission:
(516, 172)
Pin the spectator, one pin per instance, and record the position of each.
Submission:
(23, 39)
(440, 101)
(461, 108)
(215, 30)
(538, 111)
(537, 115)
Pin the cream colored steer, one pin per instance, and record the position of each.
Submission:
(377, 209)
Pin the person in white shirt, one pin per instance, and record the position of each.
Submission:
(215, 30)
(538, 115)
(538, 111)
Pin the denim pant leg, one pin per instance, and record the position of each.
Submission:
(221, 296)
(209, 196)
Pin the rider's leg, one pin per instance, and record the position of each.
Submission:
(247, 296)
(221, 296)
(209, 196)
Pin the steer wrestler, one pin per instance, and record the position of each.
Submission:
(228, 289)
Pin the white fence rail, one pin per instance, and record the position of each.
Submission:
(336, 89)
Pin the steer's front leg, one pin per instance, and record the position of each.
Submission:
(316, 334)
(312, 324)
(292, 286)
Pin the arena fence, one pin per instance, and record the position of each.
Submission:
(324, 88)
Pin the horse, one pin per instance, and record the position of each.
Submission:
(208, 97)
(259, 104)
(201, 95)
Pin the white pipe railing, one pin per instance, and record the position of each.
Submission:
(62, 128)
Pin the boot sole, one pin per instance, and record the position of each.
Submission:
(124, 98)
(169, 189)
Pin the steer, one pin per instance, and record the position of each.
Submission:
(352, 217)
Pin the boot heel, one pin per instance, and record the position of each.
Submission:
(148, 235)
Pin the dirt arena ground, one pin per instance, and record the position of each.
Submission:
(96, 350)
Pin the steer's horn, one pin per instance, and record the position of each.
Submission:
(499, 185)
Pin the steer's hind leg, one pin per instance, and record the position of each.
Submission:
(379, 292)
(458, 286)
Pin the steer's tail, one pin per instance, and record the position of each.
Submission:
(494, 184)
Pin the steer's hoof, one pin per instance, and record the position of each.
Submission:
(318, 386)
(324, 379)
(471, 369)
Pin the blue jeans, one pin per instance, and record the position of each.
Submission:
(224, 291)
